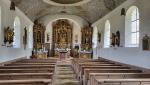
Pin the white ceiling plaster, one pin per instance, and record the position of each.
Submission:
(90, 11)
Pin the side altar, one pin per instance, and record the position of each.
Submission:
(39, 51)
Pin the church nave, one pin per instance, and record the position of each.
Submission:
(74, 42)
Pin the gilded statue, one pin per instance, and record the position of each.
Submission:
(113, 39)
(146, 42)
(9, 35)
(117, 38)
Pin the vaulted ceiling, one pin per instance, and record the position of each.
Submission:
(90, 10)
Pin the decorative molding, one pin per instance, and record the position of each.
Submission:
(78, 3)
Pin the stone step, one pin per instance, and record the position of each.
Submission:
(68, 82)
(66, 76)
(65, 72)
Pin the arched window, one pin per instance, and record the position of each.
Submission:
(30, 37)
(17, 27)
(132, 27)
(107, 35)
(95, 36)
(0, 22)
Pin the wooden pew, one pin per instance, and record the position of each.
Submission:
(81, 70)
(86, 73)
(26, 70)
(38, 61)
(130, 81)
(34, 63)
(94, 76)
(16, 64)
(76, 62)
(27, 67)
(26, 82)
(104, 69)
(78, 68)
(100, 67)
(18, 76)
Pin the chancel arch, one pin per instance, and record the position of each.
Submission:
(74, 34)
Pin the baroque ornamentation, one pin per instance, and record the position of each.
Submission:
(38, 34)
(86, 43)
(62, 34)
(8, 35)
(115, 39)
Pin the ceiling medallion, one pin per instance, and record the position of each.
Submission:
(66, 2)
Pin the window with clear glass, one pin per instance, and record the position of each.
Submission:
(30, 37)
(95, 36)
(17, 27)
(132, 27)
(0, 22)
(135, 27)
(107, 35)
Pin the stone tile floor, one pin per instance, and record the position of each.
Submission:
(64, 74)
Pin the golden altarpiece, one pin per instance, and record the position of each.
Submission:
(62, 35)
(38, 40)
(86, 43)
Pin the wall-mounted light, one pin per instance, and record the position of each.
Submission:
(123, 12)
(12, 6)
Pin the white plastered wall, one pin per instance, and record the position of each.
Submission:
(133, 56)
(7, 19)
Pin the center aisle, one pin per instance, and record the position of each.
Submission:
(64, 74)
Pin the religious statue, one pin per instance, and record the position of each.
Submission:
(8, 35)
(146, 42)
(113, 39)
(99, 37)
(117, 39)
(25, 38)
(48, 37)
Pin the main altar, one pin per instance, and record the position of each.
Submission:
(64, 42)
(62, 37)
